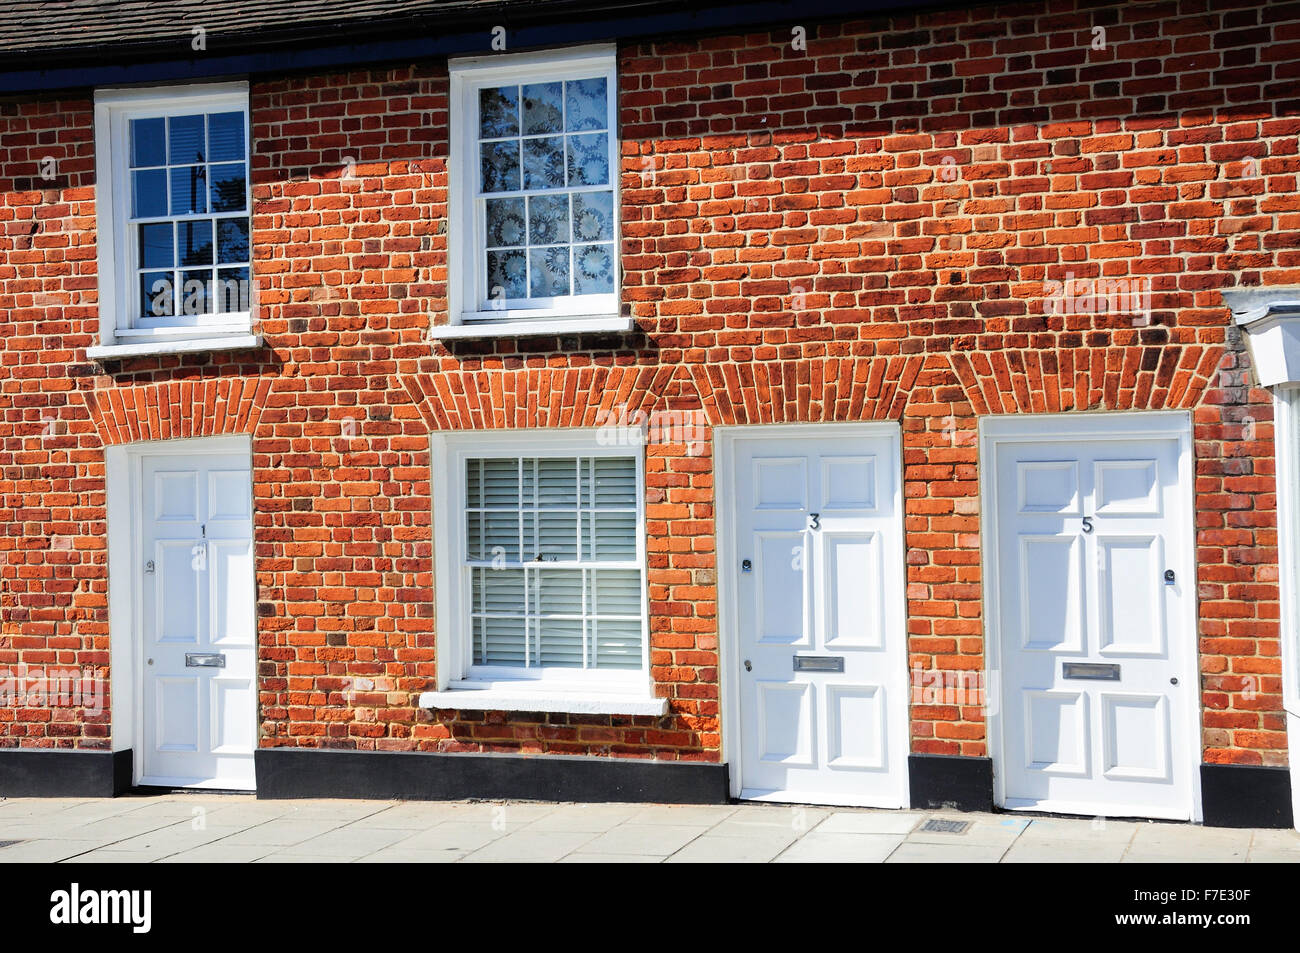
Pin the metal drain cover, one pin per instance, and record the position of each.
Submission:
(9, 843)
(939, 825)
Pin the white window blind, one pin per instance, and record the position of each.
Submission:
(552, 555)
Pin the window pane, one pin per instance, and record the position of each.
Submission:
(149, 193)
(559, 608)
(195, 239)
(543, 109)
(500, 483)
(185, 140)
(544, 163)
(156, 246)
(196, 292)
(233, 291)
(232, 240)
(548, 219)
(226, 137)
(148, 142)
(229, 187)
(557, 482)
(189, 190)
(613, 537)
(593, 216)
(156, 299)
(617, 643)
(548, 272)
(586, 107)
(505, 222)
(588, 159)
(498, 112)
(615, 479)
(507, 275)
(500, 165)
(499, 623)
(594, 269)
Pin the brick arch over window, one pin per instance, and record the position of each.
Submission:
(172, 409)
(503, 398)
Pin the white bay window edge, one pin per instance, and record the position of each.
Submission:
(590, 692)
(117, 337)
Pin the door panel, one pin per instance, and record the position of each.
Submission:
(198, 601)
(822, 671)
(1092, 639)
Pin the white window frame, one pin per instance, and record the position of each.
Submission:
(463, 684)
(116, 249)
(466, 239)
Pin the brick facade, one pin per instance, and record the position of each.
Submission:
(860, 231)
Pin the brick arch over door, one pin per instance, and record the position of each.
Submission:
(169, 410)
(1113, 377)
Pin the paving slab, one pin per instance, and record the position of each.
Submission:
(282, 832)
(529, 846)
(46, 851)
(683, 815)
(873, 822)
(218, 854)
(928, 853)
(714, 849)
(652, 839)
(1046, 851)
(462, 836)
(396, 855)
(581, 858)
(818, 848)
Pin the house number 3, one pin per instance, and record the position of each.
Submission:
(814, 521)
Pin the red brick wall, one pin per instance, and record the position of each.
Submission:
(862, 230)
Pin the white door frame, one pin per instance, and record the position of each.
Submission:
(1055, 428)
(725, 523)
(124, 467)
(1286, 434)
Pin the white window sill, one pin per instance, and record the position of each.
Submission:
(233, 342)
(532, 326)
(582, 702)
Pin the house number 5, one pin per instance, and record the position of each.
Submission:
(814, 521)
(1087, 524)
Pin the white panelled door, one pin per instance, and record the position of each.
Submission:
(1094, 581)
(820, 637)
(199, 634)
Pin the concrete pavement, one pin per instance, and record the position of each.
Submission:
(200, 828)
